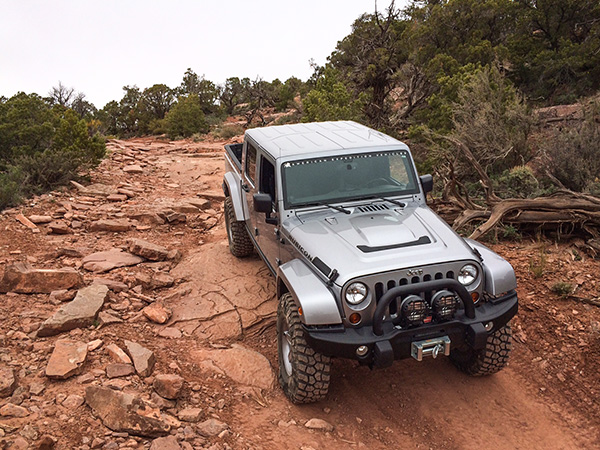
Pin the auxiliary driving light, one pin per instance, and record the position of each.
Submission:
(444, 304)
(414, 310)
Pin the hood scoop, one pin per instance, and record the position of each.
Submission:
(373, 208)
(421, 241)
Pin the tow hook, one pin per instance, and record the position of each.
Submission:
(430, 347)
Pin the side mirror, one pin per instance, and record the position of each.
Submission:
(263, 203)
(427, 183)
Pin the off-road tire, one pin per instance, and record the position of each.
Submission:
(240, 243)
(488, 360)
(308, 381)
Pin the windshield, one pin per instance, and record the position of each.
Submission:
(344, 178)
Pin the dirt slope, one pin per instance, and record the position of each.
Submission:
(546, 398)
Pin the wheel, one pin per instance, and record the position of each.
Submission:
(303, 373)
(240, 243)
(488, 360)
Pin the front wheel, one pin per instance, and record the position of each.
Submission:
(303, 373)
(488, 360)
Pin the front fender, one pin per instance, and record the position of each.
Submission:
(233, 186)
(310, 293)
(499, 274)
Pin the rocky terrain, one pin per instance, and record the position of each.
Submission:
(127, 324)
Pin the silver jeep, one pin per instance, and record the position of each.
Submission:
(365, 270)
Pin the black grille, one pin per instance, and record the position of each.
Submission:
(373, 208)
(382, 288)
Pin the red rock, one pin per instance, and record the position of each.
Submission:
(8, 381)
(66, 359)
(108, 260)
(58, 228)
(116, 198)
(156, 313)
(168, 385)
(24, 279)
(148, 250)
(143, 359)
(118, 370)
(126, 412)
(165, 443)
(79, 313)
(40, 219)
(211, 427)
(113, 226)
(117, 354)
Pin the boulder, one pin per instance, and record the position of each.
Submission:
(143, 359)
(24, 279)
(168, 385)
(126, 413)
(79, 313)
(66, 359)
(108, 260)
(157, 313)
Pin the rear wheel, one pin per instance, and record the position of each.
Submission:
(240, 243)
(303, 372)
(488, 360)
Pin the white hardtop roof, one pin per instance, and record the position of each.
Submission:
(307, 138)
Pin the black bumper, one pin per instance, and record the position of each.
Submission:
(395, 343)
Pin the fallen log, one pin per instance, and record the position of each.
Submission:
(560, 208)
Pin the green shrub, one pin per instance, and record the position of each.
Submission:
(562, 288)
(186, 118)
(518, 182)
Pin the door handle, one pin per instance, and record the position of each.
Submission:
(245, 187)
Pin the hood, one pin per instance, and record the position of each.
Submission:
(375, 238)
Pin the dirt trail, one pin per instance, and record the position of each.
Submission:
(546, 398)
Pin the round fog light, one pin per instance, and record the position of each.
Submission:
(488, 326)
(362, 350)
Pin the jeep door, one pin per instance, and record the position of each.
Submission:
(260, 178)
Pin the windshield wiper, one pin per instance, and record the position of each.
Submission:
(337, 208)
(395, 202)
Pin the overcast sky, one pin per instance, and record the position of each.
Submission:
(99, 46)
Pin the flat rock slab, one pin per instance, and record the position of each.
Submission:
(148, 250)
(66, 359)
(242, 365)
(24, 279)
(113, 226)
(109, 260)
(165, 443)
(79, 313)
(126, 413)
(168, 385)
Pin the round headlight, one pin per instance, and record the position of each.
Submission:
(467, 275)
(356, 293)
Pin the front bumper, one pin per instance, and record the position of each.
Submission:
(395, 343)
